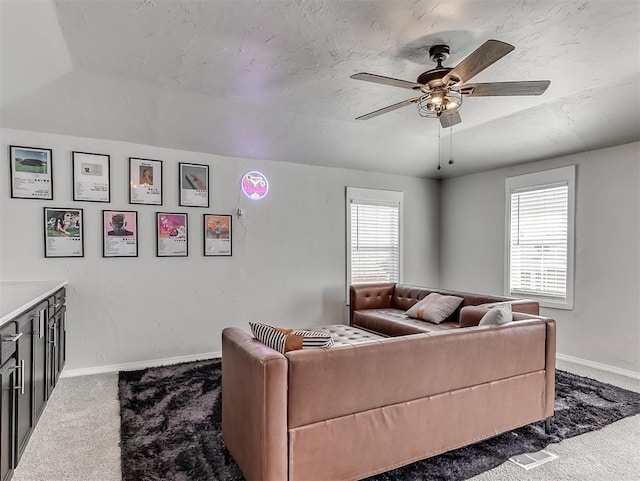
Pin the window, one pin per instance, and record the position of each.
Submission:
(374, 219)
(540, 233)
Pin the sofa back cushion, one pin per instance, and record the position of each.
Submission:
(371, 296)
(328, 383)
(405, 296)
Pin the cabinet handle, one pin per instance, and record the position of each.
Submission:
(21, 385)
(12, 337)
(40, 318)
(57, 305)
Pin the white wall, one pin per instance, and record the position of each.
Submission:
(288, 263)
(604, 326)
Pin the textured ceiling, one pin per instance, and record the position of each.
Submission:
(270, 79)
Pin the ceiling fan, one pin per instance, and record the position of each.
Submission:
(443, 88)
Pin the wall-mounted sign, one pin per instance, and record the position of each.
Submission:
(254, 185)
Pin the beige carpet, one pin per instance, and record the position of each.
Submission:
(78, 435)
(77, 440)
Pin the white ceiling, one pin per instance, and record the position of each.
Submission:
(270, 79)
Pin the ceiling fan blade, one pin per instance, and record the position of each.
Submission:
(449, 120)
(390, 108)
(503, 89)
(485, 55)
(379, 79)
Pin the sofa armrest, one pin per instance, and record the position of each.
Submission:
(370, 296)
(550, 367)
(527, 306)
(471, 315)
(254, 406)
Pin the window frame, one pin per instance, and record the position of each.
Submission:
(371, 197)
(536, 181)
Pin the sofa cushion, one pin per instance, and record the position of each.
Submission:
(394, 322)
(435, 307)
(285, 340)
(344, 335)
(500, 314)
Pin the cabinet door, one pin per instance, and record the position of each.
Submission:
(52, 354)
(61, 340)
(56, 348)
(40, 389)
(7, 419)
(28, 326)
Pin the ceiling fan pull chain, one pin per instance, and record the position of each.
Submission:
(451, 145)
(439, 146)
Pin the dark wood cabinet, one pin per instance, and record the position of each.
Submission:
(29, 328)
(9, 337)
(40, 356)
(33, 353)
(7, 419)
(25, 420)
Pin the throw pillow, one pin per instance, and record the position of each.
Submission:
(500, 314)
(285, 340)
(434, 308)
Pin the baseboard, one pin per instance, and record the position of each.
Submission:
(597, 365)
(131, 366)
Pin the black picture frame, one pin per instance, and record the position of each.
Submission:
(26, 180)
(86, 189)
(120, 241)
(63, 229)
(217, 235)
(193, 185)
(172, 234)
(144, 186)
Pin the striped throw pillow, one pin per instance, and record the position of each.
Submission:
(285, 340)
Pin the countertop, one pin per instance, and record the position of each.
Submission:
(17, 297)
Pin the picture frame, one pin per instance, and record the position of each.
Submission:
(119, 233)
(31, 172)
(145, 181)
(217, 229)
(172, 234)
(63, 232)
(91, 177)
(193, 185)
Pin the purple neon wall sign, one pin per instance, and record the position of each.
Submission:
(254, 185)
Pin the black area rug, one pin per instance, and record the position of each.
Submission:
(171, 418)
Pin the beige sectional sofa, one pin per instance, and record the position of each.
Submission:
(361, 408)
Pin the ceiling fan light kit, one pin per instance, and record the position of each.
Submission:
(442, 88)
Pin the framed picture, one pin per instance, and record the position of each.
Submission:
(194, 185)
(31, 173)
(171, 235)
(91, 177)
(217, 235)
(145, 181)
(63, 232)
(119, 233)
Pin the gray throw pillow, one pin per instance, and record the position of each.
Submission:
(500, 314)
(434, 308)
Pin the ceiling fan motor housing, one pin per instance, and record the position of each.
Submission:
(439, 53)
(434, 78)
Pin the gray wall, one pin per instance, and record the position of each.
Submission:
(287, 268)
(604, 326)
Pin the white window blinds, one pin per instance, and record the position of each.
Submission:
(540, 235)
(374, 236)
(539, 220)
(375, 243)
